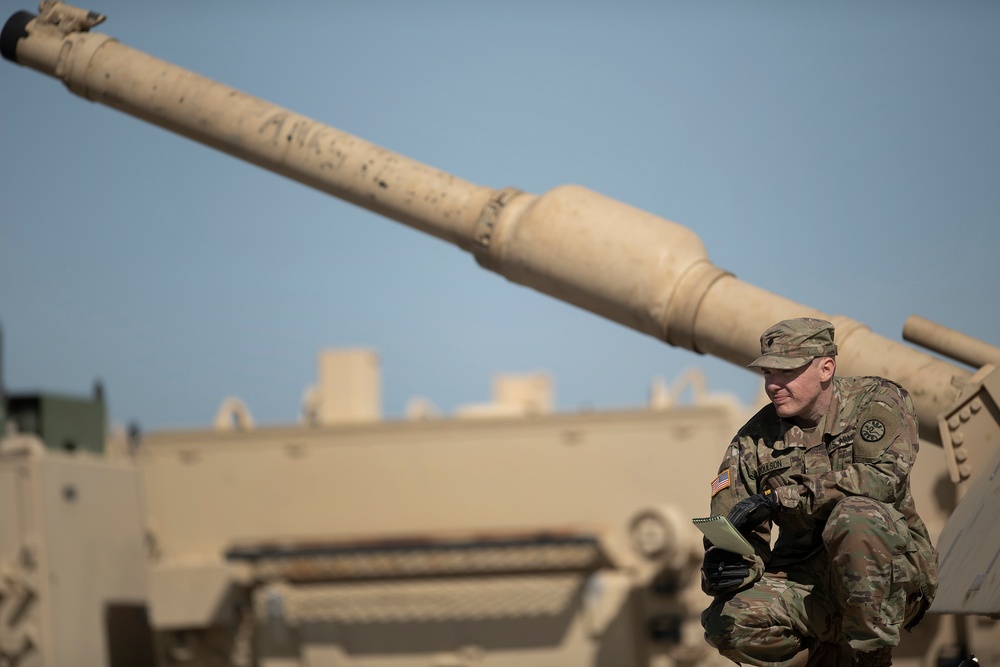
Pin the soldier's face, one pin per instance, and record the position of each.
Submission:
(798, 393)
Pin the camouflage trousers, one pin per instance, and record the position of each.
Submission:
(855, 594)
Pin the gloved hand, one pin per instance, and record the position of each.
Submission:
(725, 572)
(753, 511)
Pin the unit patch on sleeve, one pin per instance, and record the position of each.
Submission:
(721, 482)
(872, 430)
(878, 427)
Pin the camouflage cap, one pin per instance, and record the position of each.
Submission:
(794, 343)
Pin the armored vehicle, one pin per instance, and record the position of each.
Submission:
(443, 572)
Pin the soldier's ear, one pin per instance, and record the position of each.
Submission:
(827, 367)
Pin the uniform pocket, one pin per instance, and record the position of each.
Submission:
(903, 577)
(779, 465)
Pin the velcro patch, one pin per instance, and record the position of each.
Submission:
(774, 464)
(721, 482)
(878, 426)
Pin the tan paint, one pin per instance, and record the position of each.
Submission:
(621, 263)
(72, 576)
(327, 493)
(204, 492)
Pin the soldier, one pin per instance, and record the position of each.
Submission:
(828, 461)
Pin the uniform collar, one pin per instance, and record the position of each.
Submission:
(830, 424)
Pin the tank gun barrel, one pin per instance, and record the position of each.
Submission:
(624, 264)
(950, 343)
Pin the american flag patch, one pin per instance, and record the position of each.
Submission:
(720, 482)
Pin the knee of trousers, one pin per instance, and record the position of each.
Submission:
(743, 630)
(861, 518)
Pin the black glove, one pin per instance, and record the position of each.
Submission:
(753, 511)
(723, 571)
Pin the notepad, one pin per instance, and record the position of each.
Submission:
(723, 534)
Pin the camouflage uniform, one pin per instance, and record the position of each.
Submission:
(853, 562)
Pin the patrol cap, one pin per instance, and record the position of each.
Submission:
(794, 343)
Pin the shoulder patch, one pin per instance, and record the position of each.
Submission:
(878, 426)
(872, 430)
(721, 482)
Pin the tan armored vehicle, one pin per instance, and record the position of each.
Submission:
(592, 559)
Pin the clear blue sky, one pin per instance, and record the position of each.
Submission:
(845, 155)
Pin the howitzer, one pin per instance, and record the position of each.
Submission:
(658, 280)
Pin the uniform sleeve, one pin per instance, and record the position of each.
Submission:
(734, 483)
(884, 449)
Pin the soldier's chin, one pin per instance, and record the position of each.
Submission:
(785, 409)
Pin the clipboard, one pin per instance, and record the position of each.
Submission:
(721, 533)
